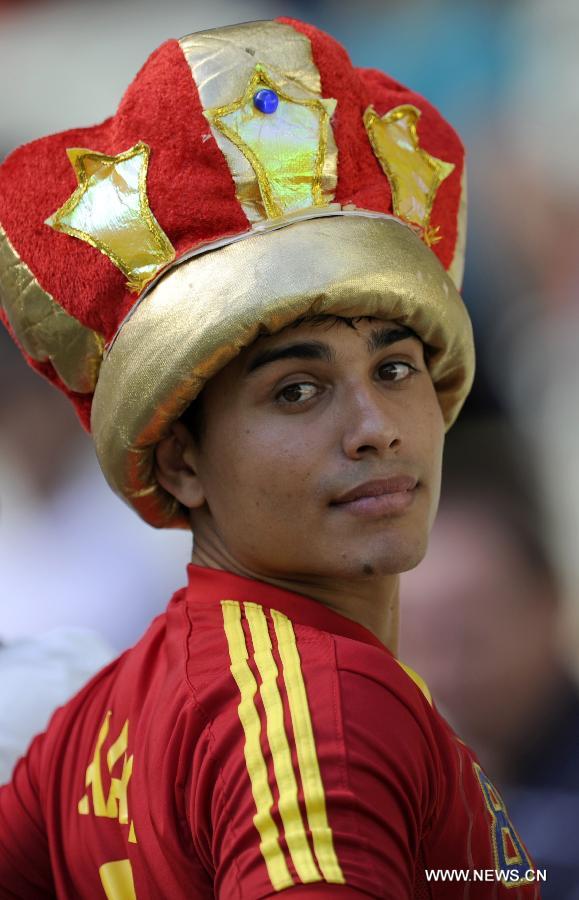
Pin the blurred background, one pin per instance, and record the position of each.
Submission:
(490, 619)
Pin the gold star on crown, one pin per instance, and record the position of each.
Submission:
(414, 174)
(109, 210)
(286, 148)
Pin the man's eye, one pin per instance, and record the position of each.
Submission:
(297, 393)
(396, 371)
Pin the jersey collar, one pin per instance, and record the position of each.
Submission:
(216, 585)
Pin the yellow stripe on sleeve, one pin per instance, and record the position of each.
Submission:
(289, 810)
(306, 750)
(418, 681)
(275, 862)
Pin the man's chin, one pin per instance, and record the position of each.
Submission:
(371, 562)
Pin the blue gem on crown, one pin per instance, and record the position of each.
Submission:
(266, 101)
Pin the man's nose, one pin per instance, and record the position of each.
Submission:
(370, 422)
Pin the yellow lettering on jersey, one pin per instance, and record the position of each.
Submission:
(117, 880)
(117, 799)
(114, 804)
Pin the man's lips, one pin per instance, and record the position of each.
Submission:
(383, 497)
(394, 485)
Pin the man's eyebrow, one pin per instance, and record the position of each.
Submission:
(301, 350)
(384, 337)
(380, 338)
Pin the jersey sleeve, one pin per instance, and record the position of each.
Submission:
(24, 858)
(313, 779)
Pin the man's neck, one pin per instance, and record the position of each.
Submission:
(372, 601)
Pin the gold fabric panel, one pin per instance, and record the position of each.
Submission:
(286, 149)
(43, 328)
(414, 174)
(223, 62)
(456, 268)
(204, 311)
(110, 211)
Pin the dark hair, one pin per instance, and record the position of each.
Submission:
(193, 418)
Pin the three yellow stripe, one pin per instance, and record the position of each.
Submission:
(306, 867)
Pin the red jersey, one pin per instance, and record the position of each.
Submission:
(253, 742)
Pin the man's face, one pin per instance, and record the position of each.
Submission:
(296, 422)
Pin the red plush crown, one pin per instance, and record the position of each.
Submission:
(223, 135)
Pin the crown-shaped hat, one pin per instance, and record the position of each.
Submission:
(250, 176)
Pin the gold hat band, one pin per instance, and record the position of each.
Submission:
(44, 330)
(205, 310)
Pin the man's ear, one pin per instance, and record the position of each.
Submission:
(176, 470)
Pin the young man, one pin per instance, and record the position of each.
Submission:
(275, 370)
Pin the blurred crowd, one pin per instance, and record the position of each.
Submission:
(490, 619)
